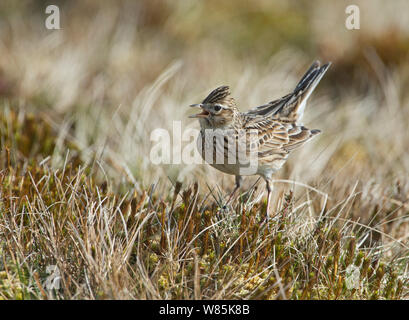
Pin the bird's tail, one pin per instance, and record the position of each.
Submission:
(293, 104)
(306, 86)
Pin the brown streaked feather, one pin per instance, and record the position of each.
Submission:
(276, 137)
(217, 95)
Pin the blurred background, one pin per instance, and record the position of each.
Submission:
(117, 70)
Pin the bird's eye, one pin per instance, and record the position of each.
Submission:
(217, 108)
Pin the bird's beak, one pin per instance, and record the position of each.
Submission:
(203, 114)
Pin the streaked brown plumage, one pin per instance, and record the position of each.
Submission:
(277, 126)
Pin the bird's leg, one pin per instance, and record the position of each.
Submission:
(237, 187)
(269, 189)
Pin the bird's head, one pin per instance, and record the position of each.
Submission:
(218, 109)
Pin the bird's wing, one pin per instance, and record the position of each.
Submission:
(291, 106)
(274, 139)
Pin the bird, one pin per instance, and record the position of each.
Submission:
(266, 134)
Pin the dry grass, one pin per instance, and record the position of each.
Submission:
(78, 189)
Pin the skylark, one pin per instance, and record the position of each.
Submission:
(277, 126)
